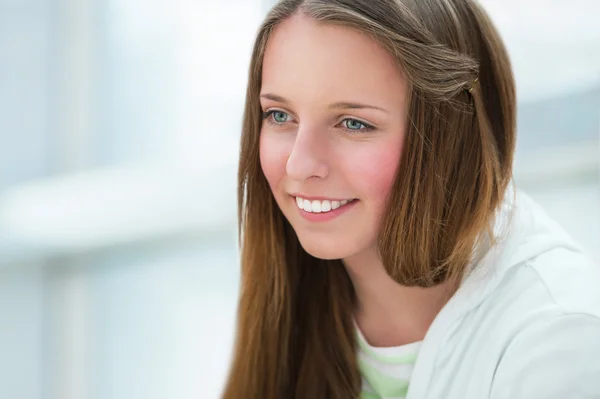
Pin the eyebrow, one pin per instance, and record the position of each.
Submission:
(338, 105)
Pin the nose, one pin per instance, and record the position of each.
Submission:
(308, 157)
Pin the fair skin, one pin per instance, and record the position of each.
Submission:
(335, 104)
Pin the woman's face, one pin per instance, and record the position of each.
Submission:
(334, 105)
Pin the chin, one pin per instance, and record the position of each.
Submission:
(325, 250)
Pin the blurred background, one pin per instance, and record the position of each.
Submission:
(119, 128)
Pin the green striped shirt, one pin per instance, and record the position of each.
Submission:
(385, 372)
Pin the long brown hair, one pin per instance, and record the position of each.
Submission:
(295, 333)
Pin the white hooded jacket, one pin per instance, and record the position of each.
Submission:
(525, 323)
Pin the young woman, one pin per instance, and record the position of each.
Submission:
(385, 253)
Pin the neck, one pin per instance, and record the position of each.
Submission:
(390, 314)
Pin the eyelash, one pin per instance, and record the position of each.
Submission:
(367, 127)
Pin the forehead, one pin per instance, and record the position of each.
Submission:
(308, 58)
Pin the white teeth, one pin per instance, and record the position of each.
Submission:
(317, 206)
(307, 205)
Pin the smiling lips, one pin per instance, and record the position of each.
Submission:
(318, 206)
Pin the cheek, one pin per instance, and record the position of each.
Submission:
(374, 172)
(273, 157)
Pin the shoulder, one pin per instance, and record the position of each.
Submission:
(571, 279)
(541, 266)
(552, 337)
(558, 284)
(534, 318)
(560, 281)
(551, 358)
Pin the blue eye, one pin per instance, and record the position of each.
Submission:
(356, 125)
(278, 117)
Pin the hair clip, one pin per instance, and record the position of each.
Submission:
(473, 85)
